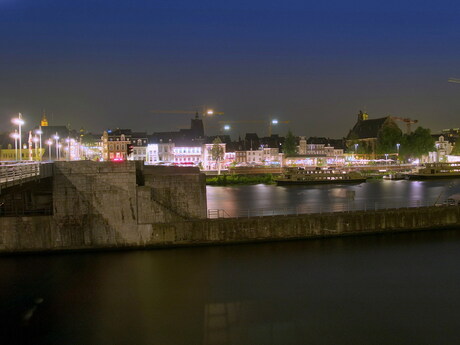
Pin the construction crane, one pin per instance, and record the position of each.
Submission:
(454, 80)
(406, 120)
(270, 123)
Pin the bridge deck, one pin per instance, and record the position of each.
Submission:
(12, 173)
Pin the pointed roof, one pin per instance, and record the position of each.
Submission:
(367, 129)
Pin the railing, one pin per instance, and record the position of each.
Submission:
(364, 205)
(17, 173)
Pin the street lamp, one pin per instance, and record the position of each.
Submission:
(386, 158)
(49, 142)
(59, 151)
(56, 137)
(15, 136)
(68, 149)
(35, 140)
(226, 128)
(40, 132)
(19, 122)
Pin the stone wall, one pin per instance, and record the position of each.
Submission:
(92, 232)
(170, 194)
(107, 204)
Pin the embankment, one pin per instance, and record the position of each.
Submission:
(46, 233)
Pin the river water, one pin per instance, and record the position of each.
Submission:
(392, 289)
(376, 194)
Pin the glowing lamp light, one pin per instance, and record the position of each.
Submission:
(49, 142)
(18, 121)
(210, 112)
(275, 122)
(14, 135)
(39, 132)
(226, 127)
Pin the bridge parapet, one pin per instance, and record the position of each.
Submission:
(15, 173)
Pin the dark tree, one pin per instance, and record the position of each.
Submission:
(456, 149)
(387, 139)
(417, 143)
(217, 153)
(290, 144)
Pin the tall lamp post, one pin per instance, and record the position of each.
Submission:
(15, 136)
(397, 149)
(49, 142)
(56, 137)
(35, 140)
(19, 122)
(68, 149)
(40, 132)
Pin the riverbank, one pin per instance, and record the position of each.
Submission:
(44, 234)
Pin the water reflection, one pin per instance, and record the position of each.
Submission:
(397, 289)
(268, 199)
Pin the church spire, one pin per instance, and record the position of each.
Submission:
(44, 121)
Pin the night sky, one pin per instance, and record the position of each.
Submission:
(106, 64)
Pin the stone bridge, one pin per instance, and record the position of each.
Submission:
(14, 174)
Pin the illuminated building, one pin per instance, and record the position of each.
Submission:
(152, 156)
(115, 144)
(187, 153)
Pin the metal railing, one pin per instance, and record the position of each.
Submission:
(362, 205)
(16, 173)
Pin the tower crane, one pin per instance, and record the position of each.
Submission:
(406, 120)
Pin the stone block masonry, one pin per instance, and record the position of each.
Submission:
(91, 232)
(107, 204)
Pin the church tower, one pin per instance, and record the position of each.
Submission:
(44, 121)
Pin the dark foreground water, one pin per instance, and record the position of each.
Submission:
(392, 289)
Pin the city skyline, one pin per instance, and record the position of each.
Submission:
(90, 64)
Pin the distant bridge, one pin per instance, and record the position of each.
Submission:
(17, 173)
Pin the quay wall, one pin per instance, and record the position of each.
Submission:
(91, 231)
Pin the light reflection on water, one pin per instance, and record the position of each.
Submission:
(269, 199)
(393, 289)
